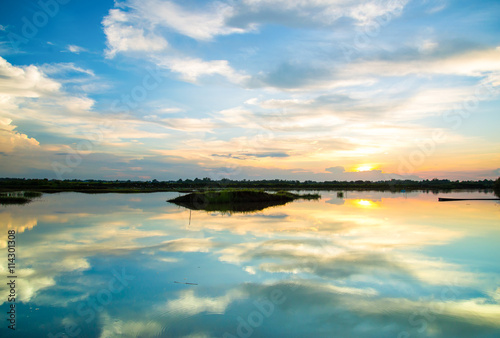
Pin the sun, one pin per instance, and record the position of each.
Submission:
(365, 167)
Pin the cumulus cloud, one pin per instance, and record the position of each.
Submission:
(36, 98)
(31, 88)
(25, 81)
(11, 140)
(123, 36)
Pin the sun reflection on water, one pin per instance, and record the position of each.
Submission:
(375, 256)
(365, 203)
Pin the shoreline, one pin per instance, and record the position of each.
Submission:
(188, 190)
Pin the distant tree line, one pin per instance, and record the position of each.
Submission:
(46, 185)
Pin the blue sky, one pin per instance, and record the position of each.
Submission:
(322, 90)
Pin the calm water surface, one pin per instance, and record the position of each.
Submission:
(370, 264)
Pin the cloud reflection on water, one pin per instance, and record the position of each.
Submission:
(382, 267)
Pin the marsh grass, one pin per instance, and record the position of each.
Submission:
(32, 194)
(241, 200)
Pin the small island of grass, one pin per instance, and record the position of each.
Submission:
(22, 197)
(237, 200)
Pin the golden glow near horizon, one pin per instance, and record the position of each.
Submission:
(365, 167)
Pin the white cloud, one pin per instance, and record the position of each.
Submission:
(437, 6)
(136, 31)
(31, 98)
(471, 63)
(327, 12)
(64, 68)
(190, 304)
(191, 69)
(143, 27)
(366, 13)
(367, 73)
(198, 24)
(26, 81)
(11, 140)
(123, 36)
(75, 49)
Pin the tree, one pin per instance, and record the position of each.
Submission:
(496, 187)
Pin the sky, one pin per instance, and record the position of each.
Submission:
(251, 89)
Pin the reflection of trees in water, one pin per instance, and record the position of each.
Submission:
(496, 187)
(237, 201)
(18, 197)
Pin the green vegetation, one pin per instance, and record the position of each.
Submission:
(100, 186)
(496, 187)
(243, 200)
(18, 197)
(32, 194)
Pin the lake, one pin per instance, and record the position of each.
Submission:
(370, 264)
